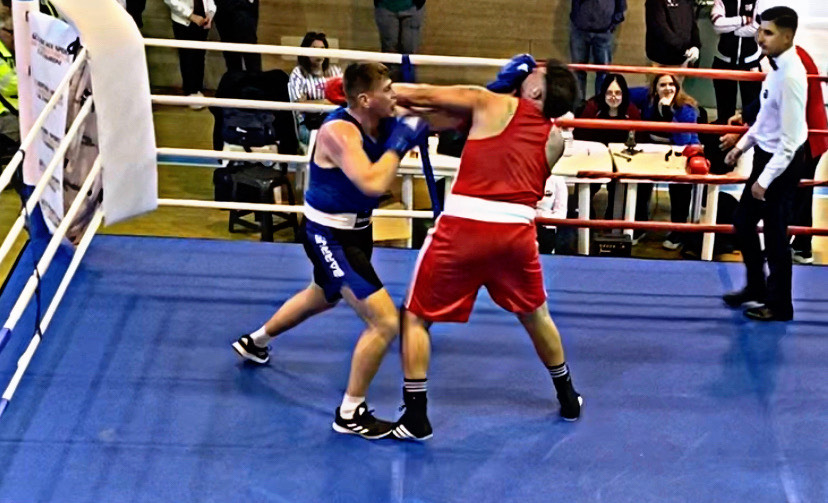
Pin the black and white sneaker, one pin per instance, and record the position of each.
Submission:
(571, 406)
(363, 424)
(412, 426)
(248, 350)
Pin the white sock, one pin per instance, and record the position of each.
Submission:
(260, 337)
(349, 405)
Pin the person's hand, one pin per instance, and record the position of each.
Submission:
(197, 20)
(736, 120)
(408, 132)
(692, 54)
(757, 191)
(733, 156)
(667, 100)
(208, 23)
(729, 140)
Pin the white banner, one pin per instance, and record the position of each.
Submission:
(52, 43)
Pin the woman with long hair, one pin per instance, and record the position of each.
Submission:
(307, 84)
(611, 103)
(666, 101)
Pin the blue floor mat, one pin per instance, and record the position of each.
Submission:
(135, 394)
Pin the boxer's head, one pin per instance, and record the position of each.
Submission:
(368, 86)
(560, 89)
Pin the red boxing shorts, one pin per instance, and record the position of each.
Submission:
(462, 255)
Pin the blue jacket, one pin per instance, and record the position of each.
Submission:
(687, 114)
(597, 16)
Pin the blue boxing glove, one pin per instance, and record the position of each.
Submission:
(512, 75)
(406, 134)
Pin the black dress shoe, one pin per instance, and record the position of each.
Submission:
(739, 297)
(764, 313)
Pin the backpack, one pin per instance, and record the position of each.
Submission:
(248, 128)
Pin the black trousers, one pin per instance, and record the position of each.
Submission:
(726, 89)
(191, 61)
(775, 211)
(237, 22)
(135, 8)
(804, 203)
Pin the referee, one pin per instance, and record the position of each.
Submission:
(779, 135)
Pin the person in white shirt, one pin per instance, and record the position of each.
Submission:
(191, 20)
(553, 205)
(735, 23)
(778, 137)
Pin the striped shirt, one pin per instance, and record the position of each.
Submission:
(305, 87)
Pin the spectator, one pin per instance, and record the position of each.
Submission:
(817, 145)
(9, 123)
(553, 205)
(592, 23)
(672, 34)
(612, 103)
(665, 101)
(191, 20)
(237, 21)
(307, 84)
(399, 22)
(734, 21)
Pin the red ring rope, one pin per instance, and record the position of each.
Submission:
(664, 226)
(672, 127)
(706, 179)
(689, 72)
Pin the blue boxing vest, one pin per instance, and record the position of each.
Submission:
(329, 189)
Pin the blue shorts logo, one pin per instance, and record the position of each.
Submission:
(329, 258)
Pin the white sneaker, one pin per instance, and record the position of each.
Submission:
(196, 95)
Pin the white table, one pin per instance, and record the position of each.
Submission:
(583, 156)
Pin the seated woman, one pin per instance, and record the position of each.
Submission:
(613, 103)
(665, 101)
(307, 84)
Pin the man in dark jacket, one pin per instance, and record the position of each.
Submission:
(672, 34)
(592, 23)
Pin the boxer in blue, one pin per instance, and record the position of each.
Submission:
(357, 153)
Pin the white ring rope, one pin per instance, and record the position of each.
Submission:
(26, 357)
(288, 50)
(166, 99)
(45, 178)
(51, 248)
(282, 208)
(37, 126)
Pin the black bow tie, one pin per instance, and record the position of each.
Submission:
(773, 63)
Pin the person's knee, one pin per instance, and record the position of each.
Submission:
(387, 325)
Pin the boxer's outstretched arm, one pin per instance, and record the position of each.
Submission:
(463, 99)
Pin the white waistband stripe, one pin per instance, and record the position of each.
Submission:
(475, 208)
(336, 220)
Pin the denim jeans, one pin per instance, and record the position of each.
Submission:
(584, 43)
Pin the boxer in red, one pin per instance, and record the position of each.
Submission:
(486, 235)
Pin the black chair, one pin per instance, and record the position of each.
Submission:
(256, 183)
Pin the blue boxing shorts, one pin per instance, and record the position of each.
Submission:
(340, 258)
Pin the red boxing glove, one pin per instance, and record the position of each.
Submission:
(698, 165)
(334, 92)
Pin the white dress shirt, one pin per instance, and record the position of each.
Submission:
(780, 128)
(182, 9)
(554, 202)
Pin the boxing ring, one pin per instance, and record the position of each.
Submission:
(135, 394)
